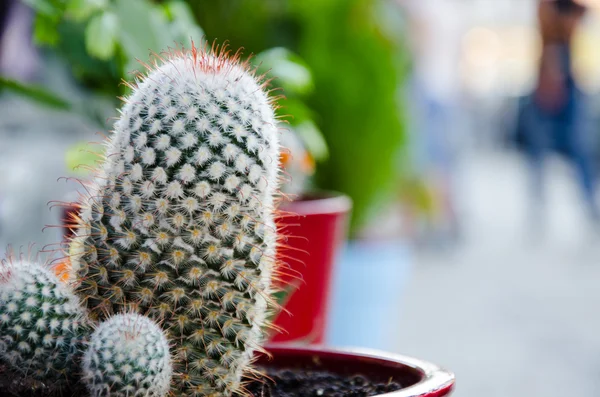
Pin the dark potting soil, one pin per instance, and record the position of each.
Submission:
(276, 383)
(293, 383)
(12, 386)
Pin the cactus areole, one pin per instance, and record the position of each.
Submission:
(179, 224)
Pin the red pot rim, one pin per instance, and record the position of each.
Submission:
(319, 203)
(435, 381)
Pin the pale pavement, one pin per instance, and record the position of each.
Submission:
(515, 310)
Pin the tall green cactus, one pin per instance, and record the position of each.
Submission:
(180, 224)
(128, 355)
(42, 324)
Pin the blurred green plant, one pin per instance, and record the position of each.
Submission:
(294, 78)
(358, 66)
(338, 64)
(102, 40)
(35, 93)
(358, 71)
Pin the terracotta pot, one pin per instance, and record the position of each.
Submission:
(316, 226)
(418, 378)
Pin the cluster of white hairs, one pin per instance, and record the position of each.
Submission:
(179, 224)
(128, 355)
(42, 324)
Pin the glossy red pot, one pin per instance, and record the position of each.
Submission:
(316, 227)
(418, 378)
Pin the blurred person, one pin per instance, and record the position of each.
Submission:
(555, 116)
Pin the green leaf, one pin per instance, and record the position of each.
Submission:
(155, 28)
(80, 10)
(45, 30)
(161, 29)
(295, 111)
(313, 140)
(101, 34)
(183, 25)
(79, 158)
(288, 69)
(137, 33)
(34, 93)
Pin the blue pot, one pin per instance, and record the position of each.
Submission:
(368, 284)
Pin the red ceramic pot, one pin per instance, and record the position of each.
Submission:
(418, 378)
(316, 227)
(68, 215)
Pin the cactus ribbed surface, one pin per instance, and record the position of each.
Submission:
(180, 223)
(128, 355)
(42, 324)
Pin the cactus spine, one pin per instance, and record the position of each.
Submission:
(128, 355)
(180, 225)
(42, 324)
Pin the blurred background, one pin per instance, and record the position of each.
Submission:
(464, 131)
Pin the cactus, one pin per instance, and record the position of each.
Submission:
(42, 324)
(127, 355)
(180, 222)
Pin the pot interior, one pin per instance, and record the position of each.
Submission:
(312, 203)
(377, 370)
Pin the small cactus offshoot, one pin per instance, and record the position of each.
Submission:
(42, 324)
(128, 355)
(180, 222)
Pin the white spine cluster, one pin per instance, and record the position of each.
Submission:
(42, 325)
(181, 222)
(128, 355)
